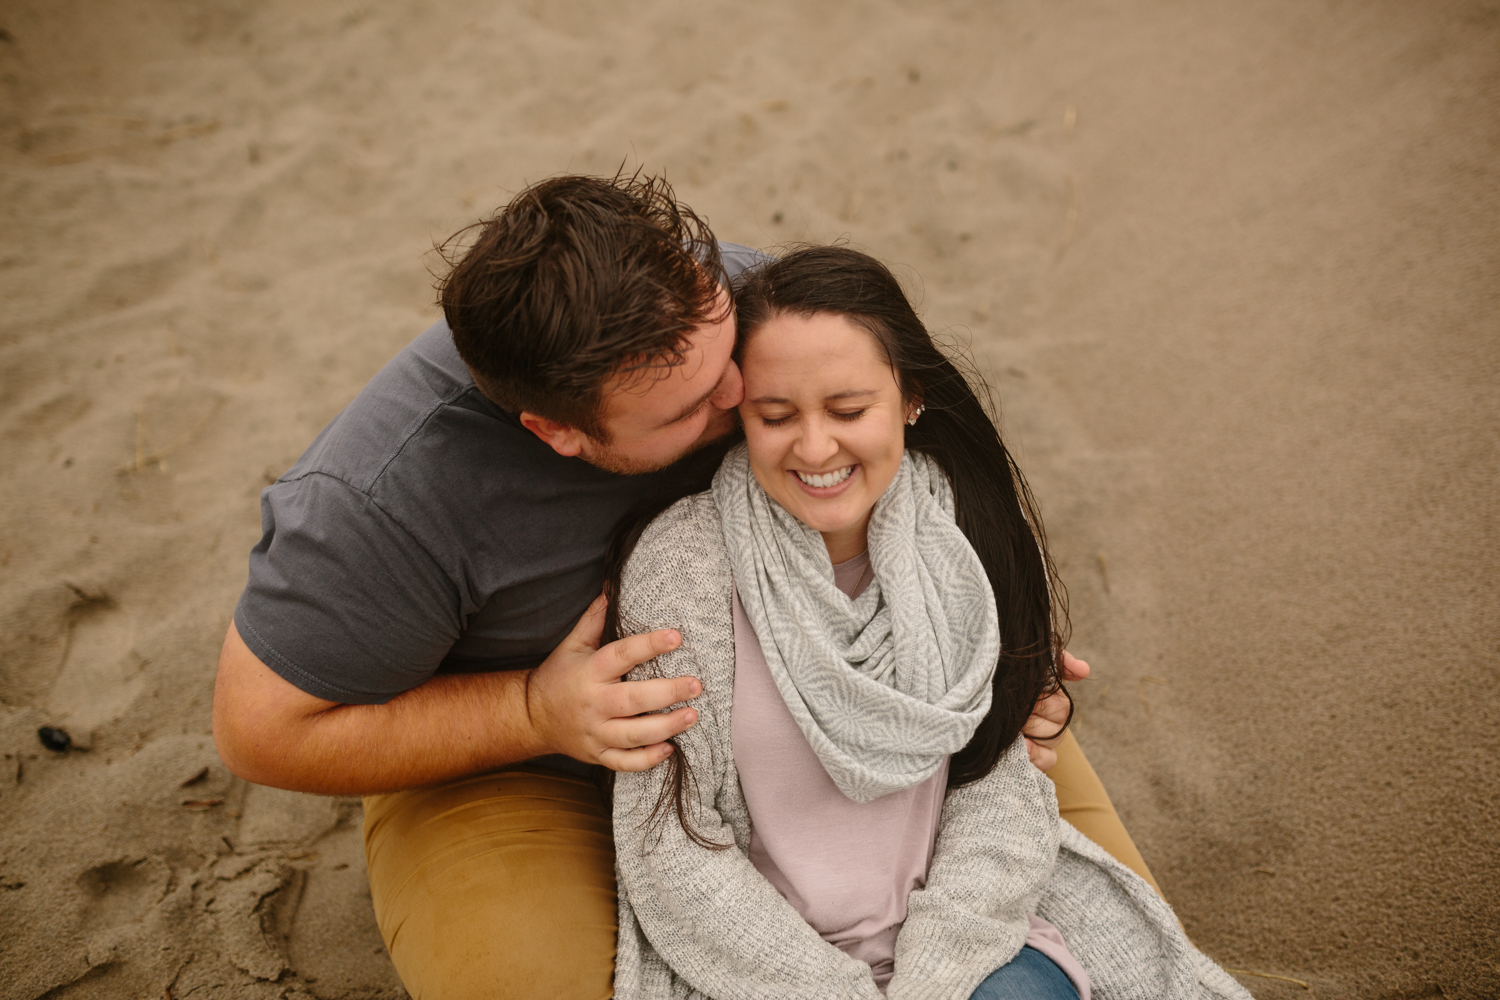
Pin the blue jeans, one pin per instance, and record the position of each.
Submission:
(1029, 976)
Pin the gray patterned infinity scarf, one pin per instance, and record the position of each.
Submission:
(886, 685)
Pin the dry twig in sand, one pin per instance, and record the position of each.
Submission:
(1267, 975)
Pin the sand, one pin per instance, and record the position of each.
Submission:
(1234, 269)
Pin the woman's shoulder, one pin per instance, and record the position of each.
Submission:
(692, 521)
(684, 542)
(679, 577)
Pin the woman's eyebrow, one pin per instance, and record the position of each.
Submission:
(846, 394)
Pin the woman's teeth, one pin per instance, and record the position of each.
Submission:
(826, 479)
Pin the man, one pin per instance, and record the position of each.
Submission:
(422, 623)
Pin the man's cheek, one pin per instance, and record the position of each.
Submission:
(719, 424)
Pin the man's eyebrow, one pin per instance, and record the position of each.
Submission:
(846, 394)
(692, 407)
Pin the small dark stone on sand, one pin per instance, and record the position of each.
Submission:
(54, 739)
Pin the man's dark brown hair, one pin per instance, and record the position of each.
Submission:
(576, 280)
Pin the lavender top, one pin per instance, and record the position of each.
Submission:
(847, 867)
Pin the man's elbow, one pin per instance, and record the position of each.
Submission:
(242, 746)
(255, 718)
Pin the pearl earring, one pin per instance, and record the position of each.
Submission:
(911, 421)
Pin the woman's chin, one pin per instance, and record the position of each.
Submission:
(836, 521)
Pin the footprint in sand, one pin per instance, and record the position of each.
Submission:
(102, 674)
(255, 904)
(132, 281)
(122, 892)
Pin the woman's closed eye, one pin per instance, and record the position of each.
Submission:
(848, 416)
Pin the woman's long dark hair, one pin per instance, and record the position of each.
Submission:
(992, 503)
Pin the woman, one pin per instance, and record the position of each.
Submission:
(854, 812)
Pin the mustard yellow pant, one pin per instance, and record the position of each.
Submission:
(502, 885)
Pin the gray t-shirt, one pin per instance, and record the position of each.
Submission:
(426, 530)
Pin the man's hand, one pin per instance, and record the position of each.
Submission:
(1049, 716)
(579, 706)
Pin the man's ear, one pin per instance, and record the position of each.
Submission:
(566, 440)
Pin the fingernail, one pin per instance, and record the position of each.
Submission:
(694, 689)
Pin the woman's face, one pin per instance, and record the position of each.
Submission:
(824, 421)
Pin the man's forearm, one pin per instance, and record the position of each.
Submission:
(450, 726)
(269, 732)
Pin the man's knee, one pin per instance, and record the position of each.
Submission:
(496, 886)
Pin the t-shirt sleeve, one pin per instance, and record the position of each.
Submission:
(342, 601)
(739, 259)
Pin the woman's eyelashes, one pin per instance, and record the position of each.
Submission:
(848, 416)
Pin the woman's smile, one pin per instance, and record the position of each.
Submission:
(826, 484)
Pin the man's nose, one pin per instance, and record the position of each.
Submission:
(731, 389)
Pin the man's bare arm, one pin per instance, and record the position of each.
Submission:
(270, 732)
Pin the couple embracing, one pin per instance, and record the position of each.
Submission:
(787, 753)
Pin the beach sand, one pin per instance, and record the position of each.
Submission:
(1233, 268)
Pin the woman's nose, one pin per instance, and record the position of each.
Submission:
(815, 445)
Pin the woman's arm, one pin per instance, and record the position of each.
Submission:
(996, 847)
(708, 914)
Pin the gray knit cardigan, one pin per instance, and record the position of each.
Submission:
(702, 924)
